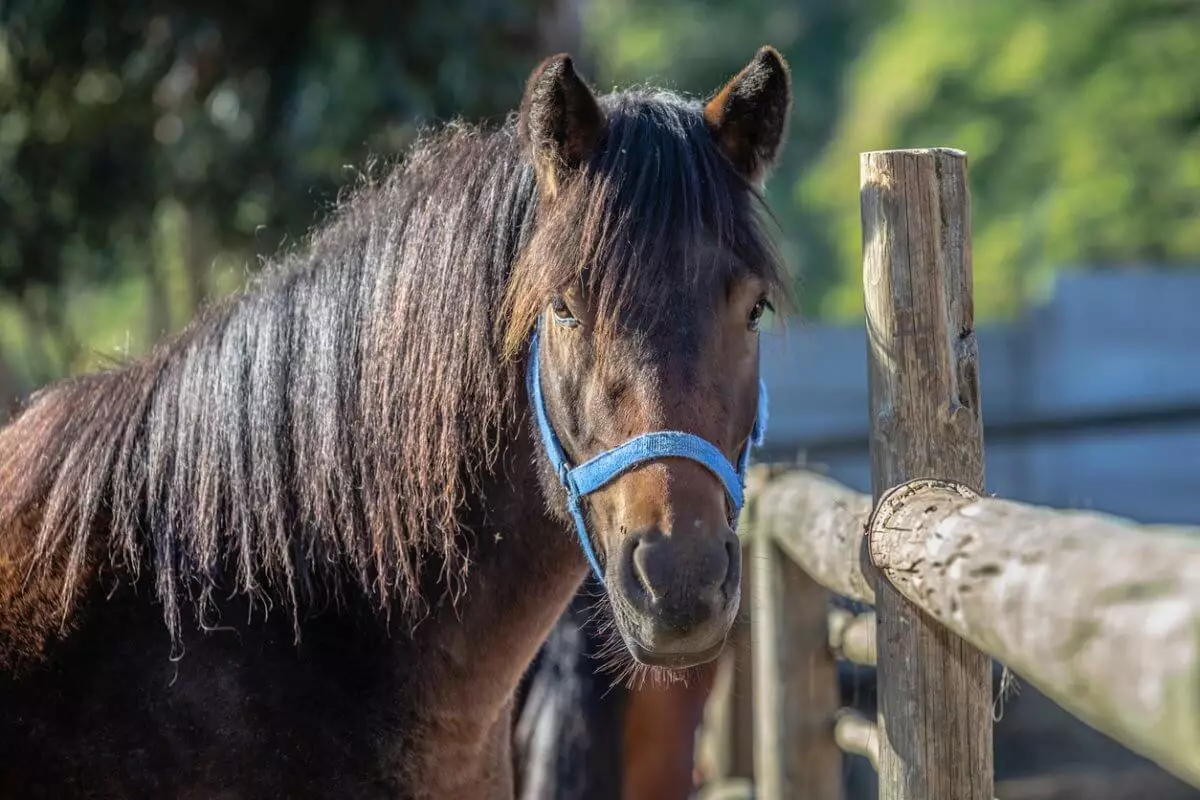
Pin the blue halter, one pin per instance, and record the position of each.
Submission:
(607, 466)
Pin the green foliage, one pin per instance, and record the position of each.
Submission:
(1081, 121)
(140, 144)
(151, 153)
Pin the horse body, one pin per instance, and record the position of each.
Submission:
(353, 710)
(309, 547)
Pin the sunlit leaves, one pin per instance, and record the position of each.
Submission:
(1081, 120)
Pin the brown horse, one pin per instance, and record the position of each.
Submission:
(331, 485)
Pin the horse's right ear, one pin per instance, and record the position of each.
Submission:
(560, 120)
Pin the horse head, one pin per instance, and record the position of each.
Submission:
(644, 280)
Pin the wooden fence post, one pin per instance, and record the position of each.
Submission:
(726, 743)
(741, 762)
(795, 682)
(935, 703)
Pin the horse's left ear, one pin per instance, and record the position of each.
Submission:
(749, 117)
(560, 120)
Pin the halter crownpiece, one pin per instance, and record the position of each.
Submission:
(605, 467)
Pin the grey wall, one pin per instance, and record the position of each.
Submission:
(1090, 401)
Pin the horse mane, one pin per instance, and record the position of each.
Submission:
(324, 428)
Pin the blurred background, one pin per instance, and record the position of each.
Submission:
(152, 153)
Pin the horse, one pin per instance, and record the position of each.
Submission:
(309, 545)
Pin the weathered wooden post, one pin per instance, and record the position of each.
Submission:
(935, 701)
(795, 680)
(726, 742)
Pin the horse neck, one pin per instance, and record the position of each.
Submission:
(525, 567)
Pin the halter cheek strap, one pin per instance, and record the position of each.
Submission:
(602, 469)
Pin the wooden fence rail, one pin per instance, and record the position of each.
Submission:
(1099, 613)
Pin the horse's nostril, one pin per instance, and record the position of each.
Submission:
(662, 571)
(641, 556)
(733, 566)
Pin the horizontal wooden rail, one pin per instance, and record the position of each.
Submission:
(818, 523)
(852, 636)
(1099, 613)
(857, 735)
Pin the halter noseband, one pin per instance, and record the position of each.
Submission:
(605, 467)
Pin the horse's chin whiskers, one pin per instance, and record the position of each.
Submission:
(614, 659)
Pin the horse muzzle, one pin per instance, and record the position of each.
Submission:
(674, 600)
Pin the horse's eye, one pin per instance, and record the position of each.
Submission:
(562, 314)
(756, 313)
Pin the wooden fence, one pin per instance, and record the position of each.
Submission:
(1099, 613)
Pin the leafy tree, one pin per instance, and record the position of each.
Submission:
(140, 143)
(1081, 122)
(150, 152)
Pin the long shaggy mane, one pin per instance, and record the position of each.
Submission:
(323, 430)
